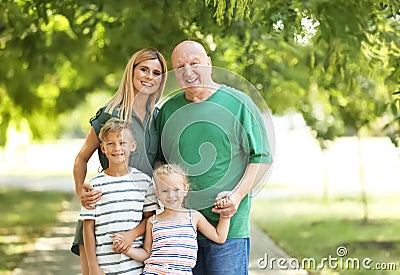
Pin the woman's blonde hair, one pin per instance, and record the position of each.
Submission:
(125, 96)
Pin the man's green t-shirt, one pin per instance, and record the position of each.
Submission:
(214, 141)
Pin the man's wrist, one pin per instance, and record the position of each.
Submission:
(236, 197)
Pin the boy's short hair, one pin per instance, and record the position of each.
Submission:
(115, 124)
(168, 169)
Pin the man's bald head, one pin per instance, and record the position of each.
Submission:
(185, 48)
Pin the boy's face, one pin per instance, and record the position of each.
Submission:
(117, 146)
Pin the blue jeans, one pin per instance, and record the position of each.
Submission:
(232, 257)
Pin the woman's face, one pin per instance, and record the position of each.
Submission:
(147, 76)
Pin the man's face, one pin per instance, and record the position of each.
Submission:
(192, 68)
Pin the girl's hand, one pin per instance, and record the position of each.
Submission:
(222, 202)
(88, 196)
(122, 241)
(226, 204)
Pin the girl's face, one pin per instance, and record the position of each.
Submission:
(171, 190)
(147, 76)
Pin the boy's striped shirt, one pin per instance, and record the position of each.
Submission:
(123, 201)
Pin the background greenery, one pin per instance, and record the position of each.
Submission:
(335, 62)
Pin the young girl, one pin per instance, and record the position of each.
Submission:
(170, 244)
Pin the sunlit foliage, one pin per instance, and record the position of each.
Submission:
(335, 62)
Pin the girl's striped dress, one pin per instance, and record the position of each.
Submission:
(174, 249)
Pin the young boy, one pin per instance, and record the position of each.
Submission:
(128, 196)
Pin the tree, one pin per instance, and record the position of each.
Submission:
(311, 48)
(301, 55)
(333, 61)
(56, 52)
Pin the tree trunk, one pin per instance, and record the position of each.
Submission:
(364, 198)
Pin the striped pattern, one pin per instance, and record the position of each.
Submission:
(174, 249)
(123, 201)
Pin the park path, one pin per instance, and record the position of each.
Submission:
(51, 254)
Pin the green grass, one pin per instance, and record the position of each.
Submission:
(309, 228)
(25, 216)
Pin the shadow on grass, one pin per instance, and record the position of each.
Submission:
(25, 217)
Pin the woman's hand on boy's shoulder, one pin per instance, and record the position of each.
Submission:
(89, 196)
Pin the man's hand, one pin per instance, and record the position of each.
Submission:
(226, 204)
(88, 196)
(122, 241)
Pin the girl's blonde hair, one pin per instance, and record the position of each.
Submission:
(168, 169)
(125, 96)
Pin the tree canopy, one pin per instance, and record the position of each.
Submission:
(335, 62)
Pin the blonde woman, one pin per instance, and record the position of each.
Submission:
(140, 89)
